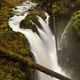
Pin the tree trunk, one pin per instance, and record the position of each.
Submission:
(28, 61)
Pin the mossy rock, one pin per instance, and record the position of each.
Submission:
(10, 70)
(31, 20)
(70, 56)
(15, 42)
(4, 28)
(4, 16)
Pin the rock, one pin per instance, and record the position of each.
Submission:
(15, 42)
(31, 20)
(70, 56)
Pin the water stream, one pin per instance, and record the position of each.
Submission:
(42, 46)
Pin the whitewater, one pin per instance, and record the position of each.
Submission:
(42, 46)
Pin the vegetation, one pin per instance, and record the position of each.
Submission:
(15, 42)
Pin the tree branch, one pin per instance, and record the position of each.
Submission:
(28, 61)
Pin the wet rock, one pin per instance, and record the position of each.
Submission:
(70, 55)
(31, 20)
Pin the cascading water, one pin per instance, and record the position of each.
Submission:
(43, 47)
(63, 41)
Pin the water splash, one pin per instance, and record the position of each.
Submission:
(43, 47)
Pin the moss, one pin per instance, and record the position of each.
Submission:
(55, 8)
(4, 16)
(9, 71)
(31, 18)
(4, 28)
(73, 30)
(15, 42)
(71, 52)
(74, 23)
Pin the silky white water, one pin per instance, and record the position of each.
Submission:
(43, 47)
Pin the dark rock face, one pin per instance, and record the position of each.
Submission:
(69, 59)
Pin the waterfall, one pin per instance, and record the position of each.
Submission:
(43, 47)
(63, 41)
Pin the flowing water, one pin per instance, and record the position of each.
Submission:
(63, 41)
(42, 46)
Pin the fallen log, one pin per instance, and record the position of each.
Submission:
(28, 61)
